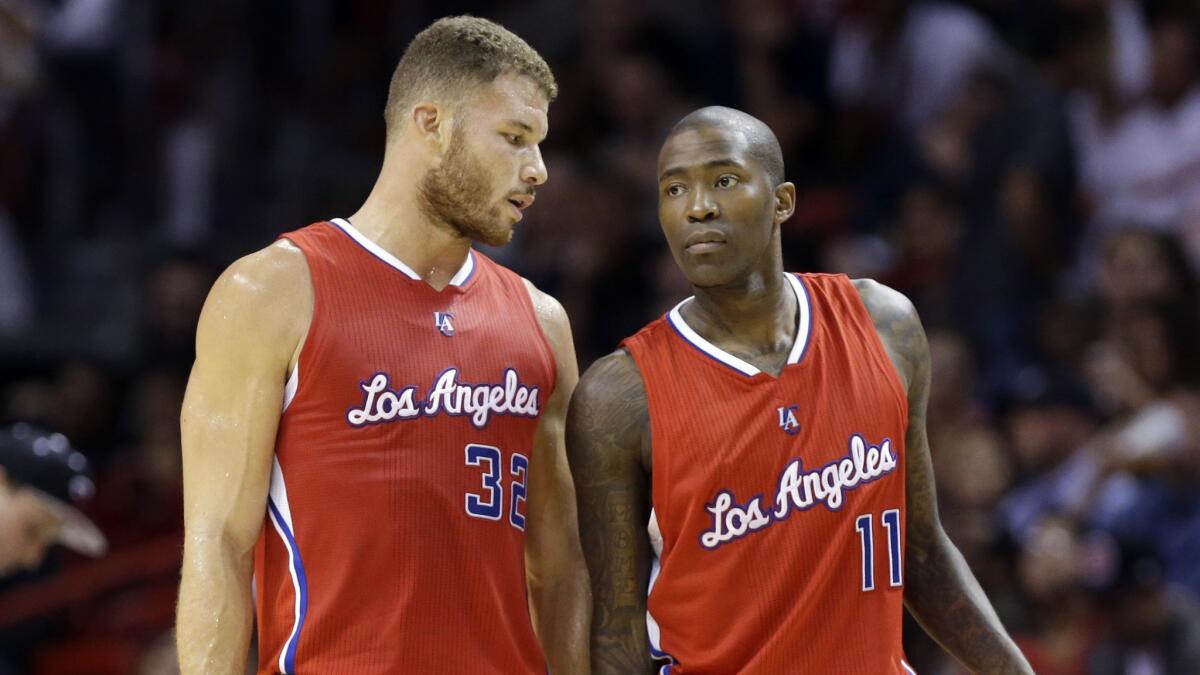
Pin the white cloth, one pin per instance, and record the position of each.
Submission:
(1142, 170)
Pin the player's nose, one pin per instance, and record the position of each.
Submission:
(701, 207)
(534, 171)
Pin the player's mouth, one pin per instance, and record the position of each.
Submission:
(519, 202)
(704, 242)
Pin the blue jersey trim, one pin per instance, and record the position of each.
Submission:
(289, 647)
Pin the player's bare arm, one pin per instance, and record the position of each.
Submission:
(608, 442)
(939, 588)
(249, 332)
(558, 585)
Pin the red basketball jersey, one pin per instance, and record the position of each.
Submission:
(778, 503)
(394, 538)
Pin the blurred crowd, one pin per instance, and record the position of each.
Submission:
(1027, 172)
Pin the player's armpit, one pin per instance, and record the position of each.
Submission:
(560, 599)
(251, 324)
(607, 431)
(939, 588)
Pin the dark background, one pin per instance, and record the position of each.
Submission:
(1027, 172)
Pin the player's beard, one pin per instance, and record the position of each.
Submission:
(456, 192)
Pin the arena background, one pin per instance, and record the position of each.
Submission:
(1027, 172)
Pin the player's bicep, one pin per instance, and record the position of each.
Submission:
(922, 522)
(605, 428)
(232, 405)
(551, 529)
(903, 338)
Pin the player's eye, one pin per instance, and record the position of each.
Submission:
(727, 181)
(674, 190)
(514, 139)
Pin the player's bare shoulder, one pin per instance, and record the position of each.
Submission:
(264, 296)
(553, 319)
(609, 417)
(898, 325)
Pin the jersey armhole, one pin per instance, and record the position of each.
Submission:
(306, 354)
(879, 352)
(631, 345)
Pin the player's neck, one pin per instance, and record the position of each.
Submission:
(393, 219)
(757, 312)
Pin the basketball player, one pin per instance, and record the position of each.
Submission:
(413, 492)
(770, 433)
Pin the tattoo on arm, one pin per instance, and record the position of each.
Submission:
(940, 590)
(606, 431)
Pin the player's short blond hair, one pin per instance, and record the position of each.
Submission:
(456, 54)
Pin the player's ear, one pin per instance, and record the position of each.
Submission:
(785, 202)
(429, 120)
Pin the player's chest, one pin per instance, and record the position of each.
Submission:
(419, 362)
(736, 464)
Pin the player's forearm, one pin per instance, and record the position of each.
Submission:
(944, 596)
(618, 643)
(562, 607)
(215, 615)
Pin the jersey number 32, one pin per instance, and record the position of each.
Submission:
(489, 504)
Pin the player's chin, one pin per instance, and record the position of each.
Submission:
(707, 275)
(497, 235)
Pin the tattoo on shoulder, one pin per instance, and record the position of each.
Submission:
(900, 329)
(609, 412)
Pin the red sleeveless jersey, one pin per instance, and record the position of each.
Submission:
(778, 503)
(394, 538)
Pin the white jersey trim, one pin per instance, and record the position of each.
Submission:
(653, 633)
(803, 319)
(459, 278)
(289, 389)
(799, 344)
(280, 513)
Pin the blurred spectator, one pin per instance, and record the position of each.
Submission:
(972, 469)
(42, 478)
(175, 294)
(1156, 628)
(890, 55)
(16, 292)
(1048, 420)
(1141, 266)
(1064, 627)
(1140, 164)
(83, 405)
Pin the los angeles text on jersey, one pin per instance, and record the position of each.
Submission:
(799, 490)
(381, 403)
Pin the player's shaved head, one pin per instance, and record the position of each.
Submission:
(763, 145)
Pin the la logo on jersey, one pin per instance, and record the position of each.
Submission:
(787, 419)
(441, 321)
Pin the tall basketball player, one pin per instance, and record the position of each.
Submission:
(769, 432)
(373, 426)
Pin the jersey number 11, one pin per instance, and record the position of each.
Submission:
(891, 522)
